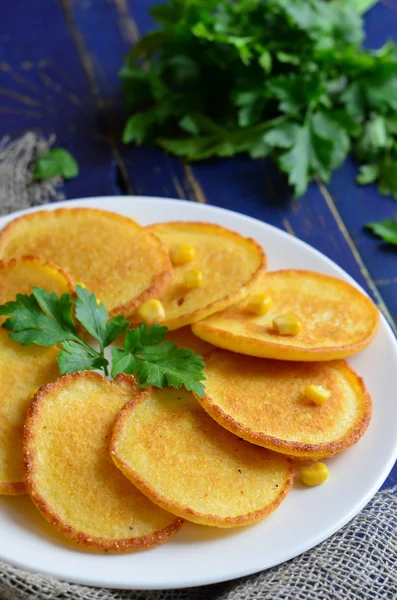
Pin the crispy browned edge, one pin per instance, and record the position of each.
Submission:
(283, 351)
(299, 450)
(177, 509)
(29, 454)
(227, 300)
(160, 280)
(18, 488)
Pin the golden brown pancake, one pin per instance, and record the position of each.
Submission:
(110, 254)
(22, 369)
(229, 263)
(168, 446)
(264, 402)
(70, 475)
(337, 320)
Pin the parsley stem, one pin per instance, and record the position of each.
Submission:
(87, 347)
(105, 366)
(275, 121)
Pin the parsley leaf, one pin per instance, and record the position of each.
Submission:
(156, 362)
(295, 162)
(57, 161)
(312, 151)
(386, 229)
(388, 174)
(74, 357)
(114, 327)
(91, 315)
(144, 336)
(137, 128)
(41, 318)
(368, 173)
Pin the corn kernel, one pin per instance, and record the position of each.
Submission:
(259, 304)
(287, 324)
(315, 474)
(151, 311)
(193, 278)
(181, 254)
(317, 394)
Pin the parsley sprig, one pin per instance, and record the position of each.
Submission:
(45, 319)
(285, 79)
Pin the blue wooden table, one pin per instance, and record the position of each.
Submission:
(59, 61)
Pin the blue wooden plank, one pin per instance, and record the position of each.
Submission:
(43, 88)
(388, 290)
(381, 24)
(151, 171)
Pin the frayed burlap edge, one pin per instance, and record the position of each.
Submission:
(18, 190)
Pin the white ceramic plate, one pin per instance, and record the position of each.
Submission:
(200, 555)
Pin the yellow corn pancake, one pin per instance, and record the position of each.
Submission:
(111, 255)
(226, 263)
(22, 369)
(273, 403)
(335, 319)
(70, 475)
(186, 463)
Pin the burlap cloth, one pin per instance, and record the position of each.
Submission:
(17, 188)
(359, 562)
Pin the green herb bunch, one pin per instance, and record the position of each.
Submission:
(288, 79)
(45, 319)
